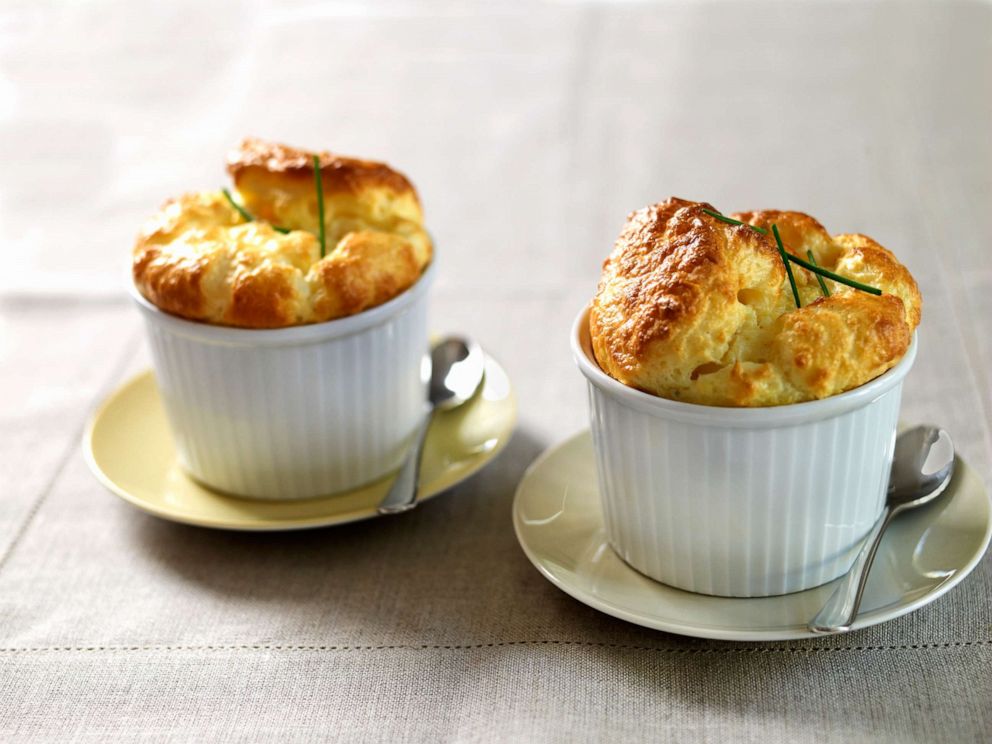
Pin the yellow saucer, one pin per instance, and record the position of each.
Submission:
(129, 448)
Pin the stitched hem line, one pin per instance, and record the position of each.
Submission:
(501, 644)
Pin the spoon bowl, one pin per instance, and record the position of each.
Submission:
(457, 372)
(922, 466)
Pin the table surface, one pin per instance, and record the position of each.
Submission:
(530, 131)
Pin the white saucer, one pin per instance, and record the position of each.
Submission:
(557, 518)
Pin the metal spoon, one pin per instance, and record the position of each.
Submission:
(457, 371)
(921, 469)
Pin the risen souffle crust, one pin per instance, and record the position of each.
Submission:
(198, 258)
(693, 309)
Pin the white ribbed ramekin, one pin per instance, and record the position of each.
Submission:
(297, 412)
(740, 502)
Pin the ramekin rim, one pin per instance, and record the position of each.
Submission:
(787, 414)
(290, 335)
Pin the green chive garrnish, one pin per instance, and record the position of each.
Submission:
(318, 181)
(835, 277)
(819, 279)
(809, 266)
(237, 207)
(245, 213)
(731, 221)
(788, 269)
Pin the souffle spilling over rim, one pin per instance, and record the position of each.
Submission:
(693, 308)
(253, 258)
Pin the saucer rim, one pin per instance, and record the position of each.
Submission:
(261, 524)
(727, 633)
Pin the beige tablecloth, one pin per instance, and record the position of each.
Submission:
(530, 130)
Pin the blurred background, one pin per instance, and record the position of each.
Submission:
(530, 129)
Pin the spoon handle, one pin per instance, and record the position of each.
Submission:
(402, 495)
(842, 607)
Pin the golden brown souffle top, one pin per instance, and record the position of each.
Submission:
(199, 258)
(693, 309)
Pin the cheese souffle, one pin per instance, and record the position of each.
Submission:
(253, 259)
(694, 308)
